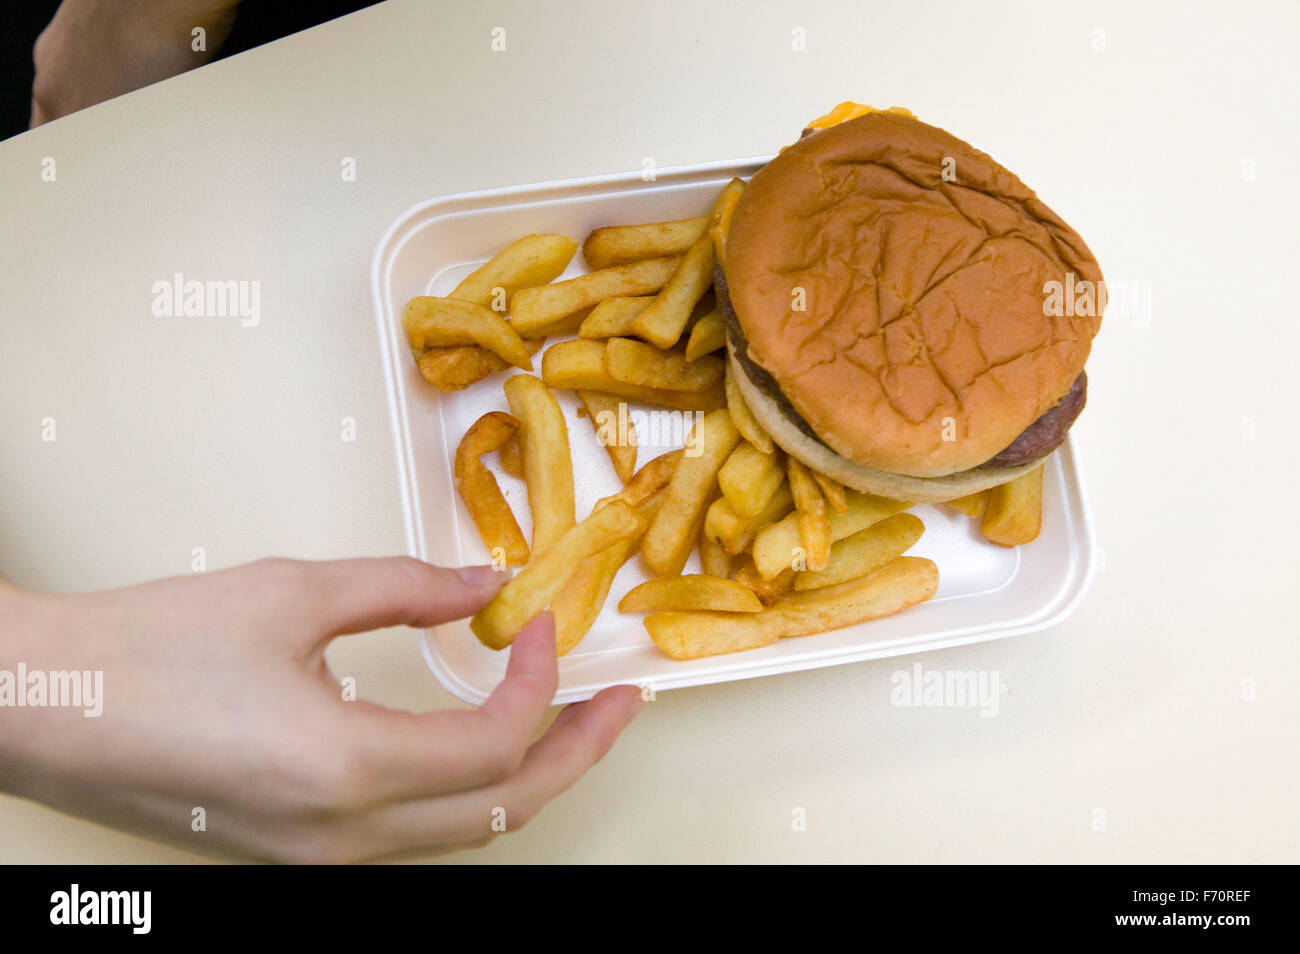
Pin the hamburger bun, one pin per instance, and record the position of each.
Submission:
(891, 279)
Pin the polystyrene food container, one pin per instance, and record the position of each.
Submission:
(985, 592)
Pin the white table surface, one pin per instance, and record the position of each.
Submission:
(185, 433)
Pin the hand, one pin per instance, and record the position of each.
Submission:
(94, 50)
(216, 696)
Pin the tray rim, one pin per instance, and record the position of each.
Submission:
(1058, 609)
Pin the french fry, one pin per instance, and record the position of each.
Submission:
(532, 260)
(734, 532)
(619, 244)
(810, 511)
(671, 535)
(536, 585)
(774, 545)
(743, 417)
(648, 481)
(547, 309)
(894, 587)
(708, 335)
(512, 458)
(613, 317)
(581, 599)
(691, 592)
(767, 591)
(714, 559)
(749, 478)
(580, 365)
(456, 367)
(437, 322)
(604, 411)
(644, 365)
(864, 552)
(578, 603)
(662, 323)
(833, 491)
(548, 468)
(972, 505)
(720, 217)
(1014, 513)
(478, 488)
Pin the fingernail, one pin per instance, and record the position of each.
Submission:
(481, 576)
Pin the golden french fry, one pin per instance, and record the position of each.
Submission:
(774, 546)
(532, 260)
(548, 468)
(743, 417)
(456, 367)
(437, 322)
(580, 600)
(714, 559)
(644, 365)
(618, 244)
(536, 312)
(864, 552)
(579, 364)
(662, 323)
(833, 491)
(649, 480)
(613, 317)
(767, 591)
(1014, 513)
(810, 510)
(708, 335)
(531, 591)
(749, 478)
(512, 458)
(734, 532)
(720, 217)
(478, 488)
(620, 442)
(972, 505)
(671, 535)
(894, 587)
(693, 592)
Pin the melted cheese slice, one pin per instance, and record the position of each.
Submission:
(846, 111)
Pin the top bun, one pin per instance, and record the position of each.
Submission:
(922, 347)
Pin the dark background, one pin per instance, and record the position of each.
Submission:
(258, 22)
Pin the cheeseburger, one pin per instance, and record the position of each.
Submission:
(886, 290)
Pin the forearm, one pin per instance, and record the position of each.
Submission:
(94, 50)
(19, 727)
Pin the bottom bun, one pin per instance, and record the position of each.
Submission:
(866, 479)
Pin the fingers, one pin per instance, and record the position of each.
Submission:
(576, 741)
(410, 756)
(532, 674)
(353, 596)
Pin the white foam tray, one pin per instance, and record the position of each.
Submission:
(985, 592)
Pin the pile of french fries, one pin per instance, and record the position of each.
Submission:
(785, 551)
